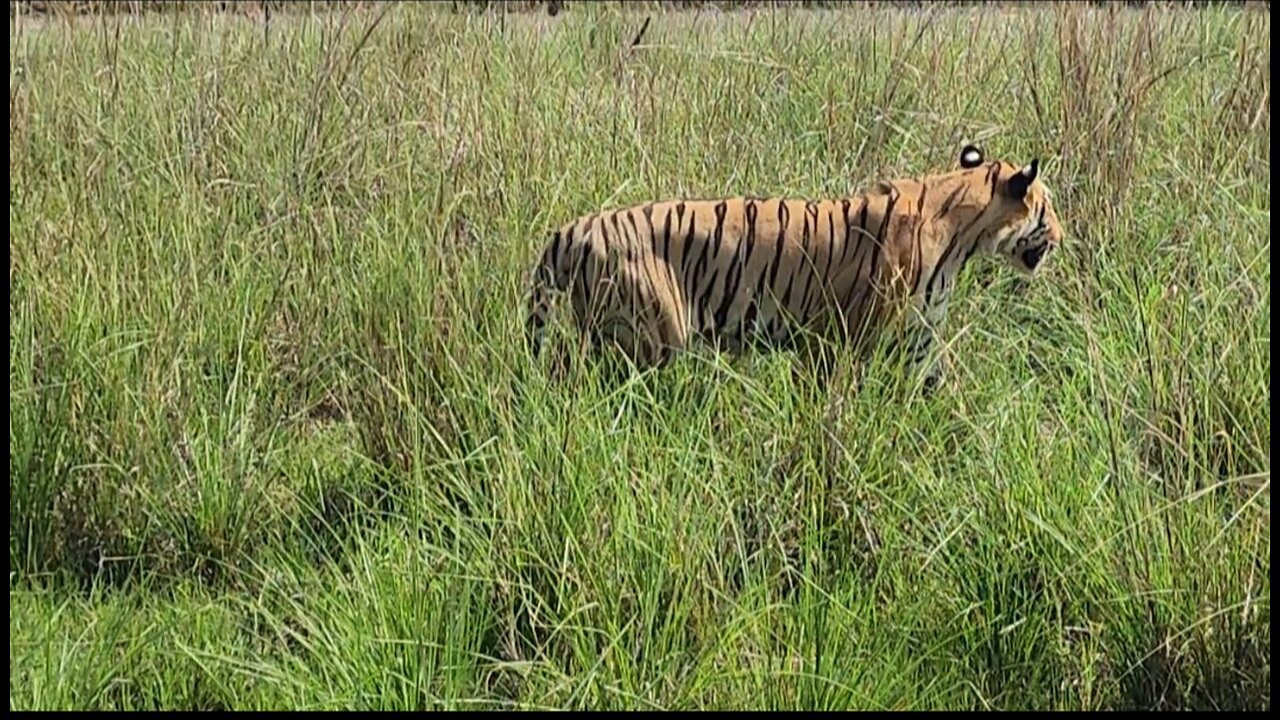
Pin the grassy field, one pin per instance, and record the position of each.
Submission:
(275, 440)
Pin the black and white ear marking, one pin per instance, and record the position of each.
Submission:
(1022, 180)
(970, 157)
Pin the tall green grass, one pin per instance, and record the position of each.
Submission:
(275, 440)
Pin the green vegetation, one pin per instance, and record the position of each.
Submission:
(275, 440)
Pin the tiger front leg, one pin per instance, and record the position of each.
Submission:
(920, 349)
(934, 374)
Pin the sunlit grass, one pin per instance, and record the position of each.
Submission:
(275, 440)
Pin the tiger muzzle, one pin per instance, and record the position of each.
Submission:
(1032, 256)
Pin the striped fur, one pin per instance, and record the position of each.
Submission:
(741, 272)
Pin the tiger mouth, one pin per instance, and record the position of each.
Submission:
(1032, 256)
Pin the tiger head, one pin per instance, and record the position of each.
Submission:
(1021, 225)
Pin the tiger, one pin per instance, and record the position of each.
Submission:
(747, 272)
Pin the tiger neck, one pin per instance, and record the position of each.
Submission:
(954, 240)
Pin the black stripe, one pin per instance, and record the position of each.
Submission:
(919, 263)
(731, 281)
(920, 348)
(700, 271)
(749, 316)
(808, 265)
(705, 298)
(619, 235)
(822, 265)
(848, 222)
(873, 251)
(583, 258)
(864, 232)
(666, 236)
(648, 218)
(789, 294)
(732, 287)
(665, 267)
(784, 218)
(804, 232)
(555, 248)
(716, 237)
(859, 285)
(689, 247)
(684, 247)
(888, 217)
(965, 230)
(938, 269)
(648, 259)
(950, 201)
(831, 241)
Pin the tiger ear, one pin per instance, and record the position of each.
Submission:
(1022, 180)
(970, 157)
